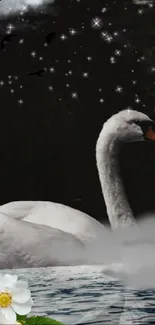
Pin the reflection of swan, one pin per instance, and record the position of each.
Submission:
(46, 233)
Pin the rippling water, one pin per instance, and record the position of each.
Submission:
(83, 294)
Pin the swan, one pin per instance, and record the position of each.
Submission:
(34, 234)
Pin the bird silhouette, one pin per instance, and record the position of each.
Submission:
(50, 37)
(6, 39)
(37, 73)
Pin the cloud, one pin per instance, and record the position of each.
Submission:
(137, 250)
(12, 7)
(142, 2)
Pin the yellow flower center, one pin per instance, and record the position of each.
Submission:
(5, 299)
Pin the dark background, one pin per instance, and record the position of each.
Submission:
(47, 142)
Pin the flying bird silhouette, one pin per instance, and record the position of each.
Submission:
(50, 37)
(37, 73)
(6, 39)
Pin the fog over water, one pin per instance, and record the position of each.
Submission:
(136, 248)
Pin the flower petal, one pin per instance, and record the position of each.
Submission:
(10, 279)
(9, 314)
(7, 282)
(22, 284)
(2, 286)
(22, 309)
(20, 295)
(3, 319)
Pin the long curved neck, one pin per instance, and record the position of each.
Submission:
(118, 209)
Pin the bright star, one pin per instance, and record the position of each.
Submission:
(96, 23)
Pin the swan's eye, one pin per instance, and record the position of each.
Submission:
(146, 125)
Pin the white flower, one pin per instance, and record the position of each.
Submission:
(15, 297)
(5, 321)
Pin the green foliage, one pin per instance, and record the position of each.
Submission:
(37, 320)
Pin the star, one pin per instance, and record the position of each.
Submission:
(96, 23)
(137, 100)
(119, 89)
(72, 31)
(118, 52)
(10, 27)
(140, 11)
(21, 41)
(24, 9)
(63, 37)
(112, 59)
(20, 101)
(74, 95)
(107, 38)
(104, 10)
(85, 74)
(51, 69)
(33, 54)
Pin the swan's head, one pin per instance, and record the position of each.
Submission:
(130, 126)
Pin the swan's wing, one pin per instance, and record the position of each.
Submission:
(55, 215)
(24, 244)
(20, 209)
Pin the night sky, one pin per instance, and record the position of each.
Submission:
(64, 69)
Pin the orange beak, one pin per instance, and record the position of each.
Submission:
(150, 134)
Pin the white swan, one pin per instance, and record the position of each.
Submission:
(36, 234)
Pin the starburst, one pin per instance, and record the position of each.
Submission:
(74, 95)
(119, 89)
(9, 28)
(96, 23)
(106, 37)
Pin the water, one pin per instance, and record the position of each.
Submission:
(83, 294)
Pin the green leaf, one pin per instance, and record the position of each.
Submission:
(37, 320)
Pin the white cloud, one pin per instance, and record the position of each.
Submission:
(142, 2)
(11, 7)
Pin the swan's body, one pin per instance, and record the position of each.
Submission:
(54, 215)
(36, 234)
(51, 234)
